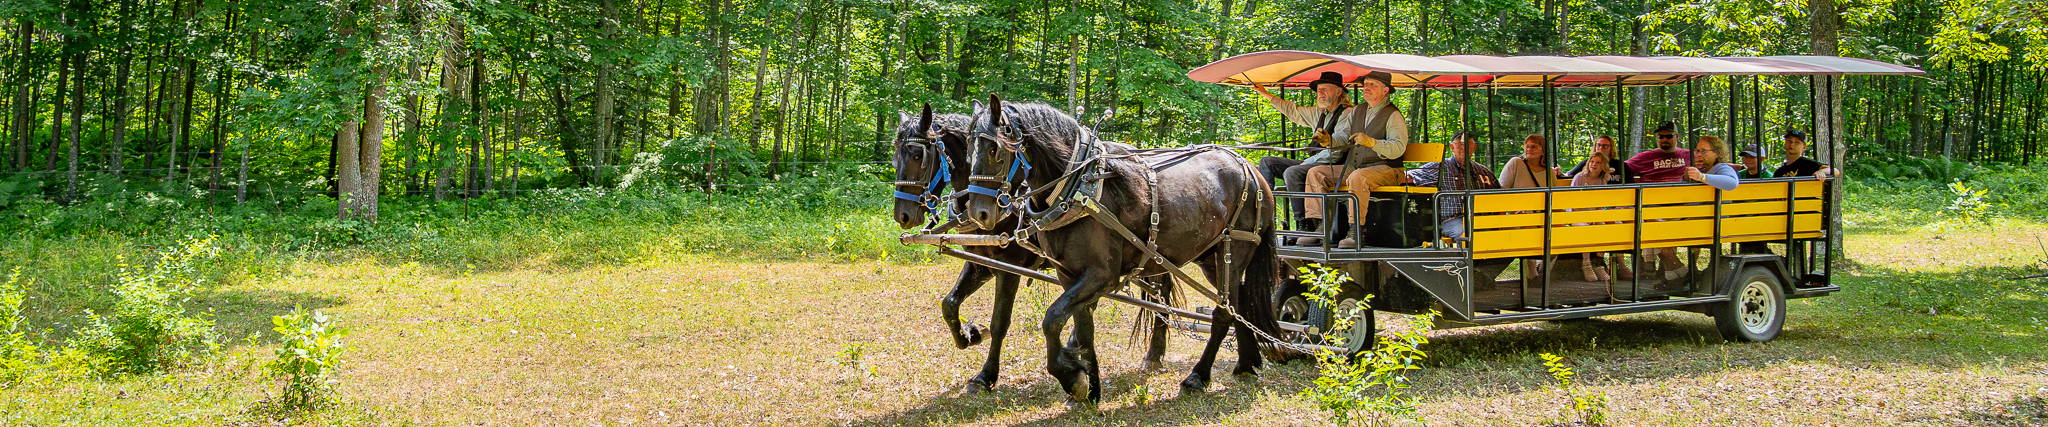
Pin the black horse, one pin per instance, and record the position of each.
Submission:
(931, 157)
(1210, 207)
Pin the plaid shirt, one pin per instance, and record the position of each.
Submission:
(1456, 176)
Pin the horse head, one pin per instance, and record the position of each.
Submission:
(921, 168)
(997, 165)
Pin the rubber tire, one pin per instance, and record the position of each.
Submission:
(1756, 310)
(1319, 315)
(1290, 293)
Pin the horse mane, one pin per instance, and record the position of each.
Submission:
(1048, 127)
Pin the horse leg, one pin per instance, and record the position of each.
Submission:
(1082, 346)
(1219, 328)
(971, 277)
(1155, 353)
(1063, 364)
(999, 327)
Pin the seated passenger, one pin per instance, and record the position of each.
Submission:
(1666, 163)
(1796, 163)
(1380, 136)
(1752, 166)
(1330, 117)
(1454, 174)
(1531, 169)
(1605, 146)
(1710, 166)
(1597, 173)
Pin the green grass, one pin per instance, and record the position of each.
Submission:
(677, 307)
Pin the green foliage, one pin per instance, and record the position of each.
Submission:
(1915, 168)
(19, 356)
(1368, 388)
(1588, 408)
(308, 359)
(149, 330)
(1968, 203)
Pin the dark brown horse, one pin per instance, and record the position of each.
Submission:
(931, 164)
(1211, 209)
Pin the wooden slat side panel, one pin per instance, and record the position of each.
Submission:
(1595, 199)
(1494, 203)
(1675, 195)
(1806, 188)
(1757, 191)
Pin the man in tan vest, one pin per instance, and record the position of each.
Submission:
(1380, 135)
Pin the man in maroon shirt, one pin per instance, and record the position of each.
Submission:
(1666, 163)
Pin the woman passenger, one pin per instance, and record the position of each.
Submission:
(1710, 165)
(1598, 171)
(1531, 169)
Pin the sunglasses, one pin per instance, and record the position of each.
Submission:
(1665, 136)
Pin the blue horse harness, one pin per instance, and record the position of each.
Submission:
(938, 179)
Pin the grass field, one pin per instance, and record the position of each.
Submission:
(562, 330)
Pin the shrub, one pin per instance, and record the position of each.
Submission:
(18, 356)
(308, 359)
(149, 330)
(1585, 408)
(1369, 387)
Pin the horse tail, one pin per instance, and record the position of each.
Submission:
(1142, 324)
(1255, 295)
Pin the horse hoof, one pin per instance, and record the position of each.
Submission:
(1079, 393)
(1073, 404)
(973, 334)
(1194, 386)
(1152, 365)
(976, 386)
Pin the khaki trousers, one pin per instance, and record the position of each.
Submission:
(1361, 182)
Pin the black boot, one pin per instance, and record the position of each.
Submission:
(1307, 224)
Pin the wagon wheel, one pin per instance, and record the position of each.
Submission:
(1756, 313)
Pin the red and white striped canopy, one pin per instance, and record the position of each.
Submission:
(1295, 68)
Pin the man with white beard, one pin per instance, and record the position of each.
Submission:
(1329, 119)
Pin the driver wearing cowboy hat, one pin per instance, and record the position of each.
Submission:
(1377, 126)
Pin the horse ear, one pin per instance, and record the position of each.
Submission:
(995, 109)
(902, 116)
(924, 120)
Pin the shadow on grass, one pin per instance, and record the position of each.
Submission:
(245, 314)
(1883, 316)
(1240, 394)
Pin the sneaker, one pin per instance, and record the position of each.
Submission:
(1347, 243)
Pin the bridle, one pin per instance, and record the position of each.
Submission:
(927, 189)
(1005, 139)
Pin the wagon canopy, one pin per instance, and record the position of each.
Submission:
(1295, 68)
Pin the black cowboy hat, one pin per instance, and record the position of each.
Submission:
(1328, 78)
(1795, 133)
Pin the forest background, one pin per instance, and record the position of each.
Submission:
(296, 103)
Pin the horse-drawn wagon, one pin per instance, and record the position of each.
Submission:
(1019, 189)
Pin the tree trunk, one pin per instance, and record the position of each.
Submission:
(1826, 23)
(412, 131)
(476, 178)
(122, 69)
(57, 116)
(706, 103)
(568, 135)
(24, 99)
(602, 118)
(78, 66)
